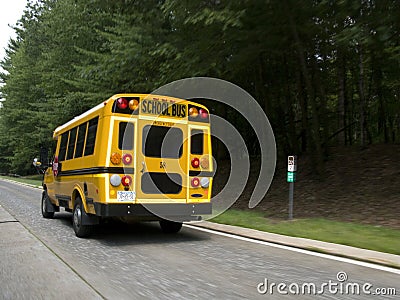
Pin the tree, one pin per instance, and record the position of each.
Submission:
(326, 72)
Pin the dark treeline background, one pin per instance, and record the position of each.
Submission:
(325, 72)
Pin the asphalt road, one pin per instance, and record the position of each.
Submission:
(137, 261)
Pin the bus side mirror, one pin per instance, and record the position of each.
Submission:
(36, 163)
(44, 157)
(38, 166)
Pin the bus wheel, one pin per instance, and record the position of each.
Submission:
(170, 226)
(80, 230)
(47, 212)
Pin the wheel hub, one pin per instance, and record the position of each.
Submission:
(77, 216)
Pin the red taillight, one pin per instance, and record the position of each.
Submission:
(127, 159)
(203, 113)
(195, 182)
(195, 162)
(122, 103)
(126, 180)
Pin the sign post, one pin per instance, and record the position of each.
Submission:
(291, 178)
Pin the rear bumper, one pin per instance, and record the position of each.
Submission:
(153, 210)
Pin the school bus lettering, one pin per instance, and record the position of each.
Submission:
(112, 160)
(163, 108)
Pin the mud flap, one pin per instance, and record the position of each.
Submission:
(50, 207)
(89, 219)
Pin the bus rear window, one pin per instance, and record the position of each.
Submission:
(125, 136)
(161, 183)
(163, 142)
(196, 141)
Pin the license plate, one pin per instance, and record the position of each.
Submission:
(126, 196)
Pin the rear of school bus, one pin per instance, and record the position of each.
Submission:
(151, 161)
(165, 154)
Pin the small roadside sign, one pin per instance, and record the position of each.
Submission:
(292, 163)
(291, 176)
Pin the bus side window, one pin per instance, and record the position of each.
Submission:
(71, 143)
(80, 142)
(91, 136)
(63, 146)
(196, 141)
(126, 136)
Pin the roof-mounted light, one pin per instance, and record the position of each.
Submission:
(122, 103)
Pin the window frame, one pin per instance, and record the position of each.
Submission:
(71, 144)
(121, 135)
(93, 144)
(82, 150)
(62, 158)
(198, 133)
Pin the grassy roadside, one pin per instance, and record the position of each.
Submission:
(34, 180)
(371, 237)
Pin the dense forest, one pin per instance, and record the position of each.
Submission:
(325, 72)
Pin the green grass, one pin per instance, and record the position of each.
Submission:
(35, 179)
(352, 234)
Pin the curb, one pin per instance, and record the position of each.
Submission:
(22, 276)
(22, 183)
(375, 257)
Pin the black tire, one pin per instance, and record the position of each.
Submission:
(45, 206)
(81, 231)
(170, 226)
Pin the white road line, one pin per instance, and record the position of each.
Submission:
(303, 251)
(37, 187)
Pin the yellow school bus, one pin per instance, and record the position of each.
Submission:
(138, 156)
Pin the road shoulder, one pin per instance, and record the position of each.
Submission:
(29, 270)
(375, 257)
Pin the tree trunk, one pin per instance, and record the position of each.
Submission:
(324, 121)
(291, 115)
(311, 95)
(342, 101)
(382, 121)
(304, 113)
(260, 86)
(363, 131)
(351, 108)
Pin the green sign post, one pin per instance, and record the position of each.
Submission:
(291, 176)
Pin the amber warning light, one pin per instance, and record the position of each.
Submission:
(198, 114)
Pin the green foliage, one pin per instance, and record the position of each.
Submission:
(324, 71)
